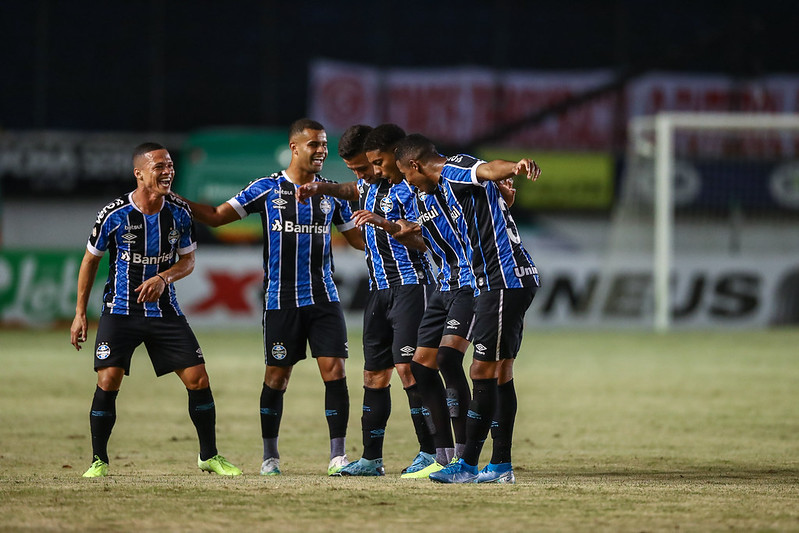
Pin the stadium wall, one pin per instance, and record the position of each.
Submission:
(38, 288)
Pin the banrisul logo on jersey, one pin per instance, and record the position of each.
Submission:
(289, 226)
(137, 258)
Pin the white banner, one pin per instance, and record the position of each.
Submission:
(578, 290)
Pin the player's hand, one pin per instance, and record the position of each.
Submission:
(507, 190)
(150, 290)
(77, 333)
(307, 190)
(529, 167)
(407, 229)
(362, 216)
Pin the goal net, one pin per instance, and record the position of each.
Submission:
(708, 212)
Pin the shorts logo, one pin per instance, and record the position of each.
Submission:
(103, 351)
(279, 203)
(173, 236)
(407, 351)
(386, 204)
(452, 324)
(325, 205)
(279, 351)
(479, 348)
(128, 238)
(199, 353)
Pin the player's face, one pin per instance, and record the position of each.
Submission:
(412, 172)
(361, 168)
(155, 172)
(384, 165)
(310, 149)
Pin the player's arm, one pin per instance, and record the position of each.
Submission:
(151, 289)
(407, 233)
(354, 238)
(213, 216)
(499, 169)
(345, 191)
(86, 275)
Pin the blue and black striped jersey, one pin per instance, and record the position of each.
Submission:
(445, 233)
(389, 262)
(298, 262)
(140, 247)
(499, 259)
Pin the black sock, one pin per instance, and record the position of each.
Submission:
(376, 410)
(502, 427)
(203, 414)
(450, 361)
(434, 397)
(420, 417)
(101, 421)
(481, 412)
(271, 413)
(337, 407)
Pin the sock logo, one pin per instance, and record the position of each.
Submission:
(103, 351)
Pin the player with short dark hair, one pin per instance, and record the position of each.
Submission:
(399, 277)
(302, 306)
(150, 236)
(463, 188)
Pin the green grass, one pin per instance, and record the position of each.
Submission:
(616, 432)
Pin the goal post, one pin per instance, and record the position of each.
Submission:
(667, 148)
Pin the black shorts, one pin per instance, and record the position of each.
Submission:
(499, 321)
(391, 323)
(288, 331)
(169, 341)
(447, 313)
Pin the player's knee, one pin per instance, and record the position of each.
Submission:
(377, 379)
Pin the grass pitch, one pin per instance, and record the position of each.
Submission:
(616, 432)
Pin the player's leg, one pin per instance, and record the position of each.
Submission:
(327, 338)
(284, 345)
(173, 347)
(114, 345)
(378, 366)
(500, 469)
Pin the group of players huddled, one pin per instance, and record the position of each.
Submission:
(413, 203)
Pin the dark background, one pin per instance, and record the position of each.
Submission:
(162, 65)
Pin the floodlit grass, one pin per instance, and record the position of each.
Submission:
(616, 431)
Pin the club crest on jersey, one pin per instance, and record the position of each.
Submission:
(386, 204)
(103, 351)
(279, 203)
(173, 236)
(279, 351)
(128, 238)
(325, 205)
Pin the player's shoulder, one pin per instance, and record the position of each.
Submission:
(114, 206)
(323, 179)
(463, 161)
(177, 201)
(265, 182)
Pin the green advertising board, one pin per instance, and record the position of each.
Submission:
(216, 164)
(39, 288)
(569, 180)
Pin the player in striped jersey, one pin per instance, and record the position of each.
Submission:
(445, 328)
(301, 301)
(150, 238)
(399, 277)
(507, 279)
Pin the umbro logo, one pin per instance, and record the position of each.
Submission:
(407, 351)
(480, 348)
(452, 324)
(200, 353)
(129, 238)
(279, 203)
